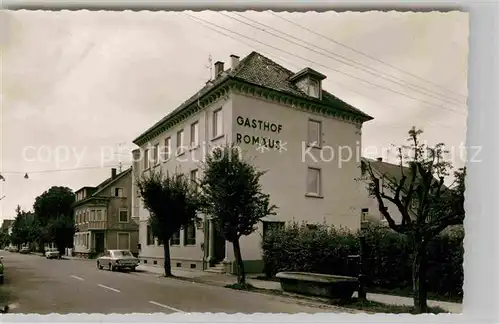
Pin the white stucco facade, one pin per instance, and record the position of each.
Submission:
(246, 119)
(340, 200)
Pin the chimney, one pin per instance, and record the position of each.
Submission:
(113, 173)
(235, 60)
(379, 159)
(219, 68)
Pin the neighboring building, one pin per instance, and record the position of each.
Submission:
(389, 174)
(6, 224)
(386, 172)
(283, 122)
(102, 216)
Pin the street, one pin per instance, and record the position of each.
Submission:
(42, 286)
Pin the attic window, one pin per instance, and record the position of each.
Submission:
(313, 89)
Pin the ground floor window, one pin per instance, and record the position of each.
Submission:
(190, 234)
(176, 238)
(269, 227)
(150, 240)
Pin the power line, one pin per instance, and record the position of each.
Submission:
(329, 68)
(63, 170)
(293, 65)
(367, 55)
(340, 58)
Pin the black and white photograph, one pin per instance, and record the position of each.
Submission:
(233, 161)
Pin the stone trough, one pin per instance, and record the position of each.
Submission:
(317, 284)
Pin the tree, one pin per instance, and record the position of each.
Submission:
(24, 229)
(172, 203)
(54, 202)
(426, 206)
(54, 213)
(232, 195)
(61, 230)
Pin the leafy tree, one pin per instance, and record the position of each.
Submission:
(232, 195)
(172, 203)
(54, 202)
(426, 206)
(49, 208)
(61, 230)
(24, 229)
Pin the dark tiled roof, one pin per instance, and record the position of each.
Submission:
(259, 70)
(391, 172)
(100, 187)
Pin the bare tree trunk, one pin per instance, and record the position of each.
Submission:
(166, 259)
(240, 269)
(420, 277)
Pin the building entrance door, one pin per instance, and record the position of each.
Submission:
(99, 242)
(219, 246)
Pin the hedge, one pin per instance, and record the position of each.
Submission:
(387, 258)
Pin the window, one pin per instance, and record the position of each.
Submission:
(194, 135)
(180, 142)
(155, 154)
(98, 215)
(217, 123)
(314, 133)
(146, 159)
(364, 214)
(313, 88)
(92, 215)
(150, 240)
(190, 234)
(166, 149)
(176, 238)
(269, 227)
(194, 177)
(117, 192)
(123, 215)
(313, 181)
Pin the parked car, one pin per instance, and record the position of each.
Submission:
(52, 254)
(25, 250)
(1, 270)
(14, 249)
(117, 259)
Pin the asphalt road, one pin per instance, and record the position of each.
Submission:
(42, 286)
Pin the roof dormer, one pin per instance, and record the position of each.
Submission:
(309, 81)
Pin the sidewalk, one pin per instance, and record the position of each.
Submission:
(224, 279)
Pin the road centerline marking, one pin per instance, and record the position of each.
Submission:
(106, 287)
(76, 277)
(165, 306)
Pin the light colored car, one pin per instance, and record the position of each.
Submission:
(14, 249)
(52, 254)
(117, 259)
(25, 250)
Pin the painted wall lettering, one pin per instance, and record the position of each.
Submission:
(259, 124)
(257, 141)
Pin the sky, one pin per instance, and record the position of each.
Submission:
(78, 87)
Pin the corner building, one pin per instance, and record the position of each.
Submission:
(285, 124)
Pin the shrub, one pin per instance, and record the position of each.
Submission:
(387, 256)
